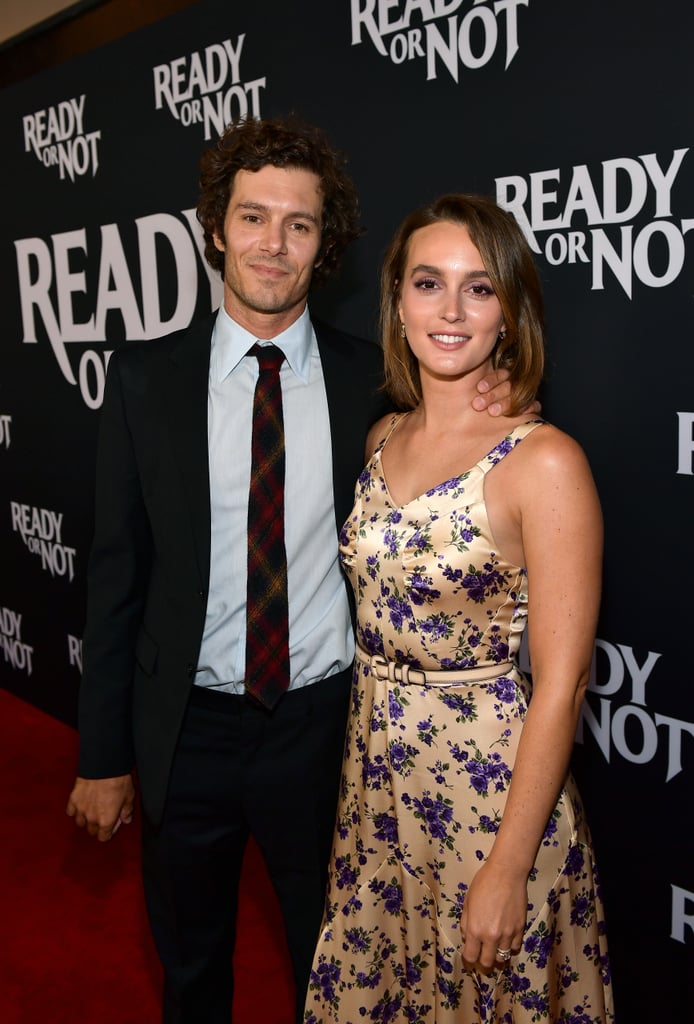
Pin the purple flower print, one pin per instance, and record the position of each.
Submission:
(463, 705)
(390, 541)
(535, 1001)
(398, 612)
(599, 959)
(387, 1009)
(480, 584)
(550, 831)
(368, 980)
(498, 646)
(326, 977)
(504, 689)
(436, 628)
(357, 940)
(567, 976)
(516, 983)
(401, 756)
(450, 993)
(393, 898)
(539, 945)
(421, 589)
(395, 517)
(374, 773)
(436, 812)
(418, 542)
(574, 861)
(503, 447)
(460, 755)
(395, 710)
(487, 772)
(371, 641)
(579, 1016)
(386, 828)
(345, 875)
(581, 909)
(390, 894)
(443, 488)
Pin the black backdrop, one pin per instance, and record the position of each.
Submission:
(577, 117)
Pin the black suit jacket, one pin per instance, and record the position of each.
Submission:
(149, 564)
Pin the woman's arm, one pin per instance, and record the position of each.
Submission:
(561, 529)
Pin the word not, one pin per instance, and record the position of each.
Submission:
(19, 655)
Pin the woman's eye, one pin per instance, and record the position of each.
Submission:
(426, 284)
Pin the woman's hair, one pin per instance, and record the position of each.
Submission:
(283, 142)
(508, 261)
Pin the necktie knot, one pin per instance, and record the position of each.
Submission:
(269, 357)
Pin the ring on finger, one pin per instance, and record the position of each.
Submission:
(503, 955)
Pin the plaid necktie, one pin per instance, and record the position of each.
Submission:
(267, 611)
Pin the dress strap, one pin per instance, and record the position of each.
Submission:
(508, 443)
(390, 427)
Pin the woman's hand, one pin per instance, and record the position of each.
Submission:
(494, 915)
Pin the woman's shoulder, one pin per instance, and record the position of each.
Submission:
(551, 456)
(380, 431)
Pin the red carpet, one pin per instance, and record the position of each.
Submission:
(75, 943)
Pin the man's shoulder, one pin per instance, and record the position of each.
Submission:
(140, 354)
(345, 345)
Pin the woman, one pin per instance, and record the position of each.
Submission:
(462, 883)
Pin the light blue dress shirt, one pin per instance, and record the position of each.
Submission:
(320, 632)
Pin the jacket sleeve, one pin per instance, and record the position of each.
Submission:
(117, 580)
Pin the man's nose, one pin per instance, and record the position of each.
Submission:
(274, 238)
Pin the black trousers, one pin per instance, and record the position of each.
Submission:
(241, 771)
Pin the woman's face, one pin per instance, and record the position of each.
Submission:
(451, 313)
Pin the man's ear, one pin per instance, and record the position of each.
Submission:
(218, 242)
(323, 254)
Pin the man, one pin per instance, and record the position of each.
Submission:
(165, 640)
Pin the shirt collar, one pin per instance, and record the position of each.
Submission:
(231, 342)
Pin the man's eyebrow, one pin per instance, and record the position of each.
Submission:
(261, 208)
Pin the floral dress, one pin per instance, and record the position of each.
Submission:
(426, 773)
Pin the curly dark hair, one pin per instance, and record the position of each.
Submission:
(252, 144)
(508, 261)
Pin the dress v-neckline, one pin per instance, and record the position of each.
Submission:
(458, 478)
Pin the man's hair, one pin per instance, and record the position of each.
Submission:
(508, 261)
(250, 145)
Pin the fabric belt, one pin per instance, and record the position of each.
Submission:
(397, 673)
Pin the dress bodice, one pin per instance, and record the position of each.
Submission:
(431, 589)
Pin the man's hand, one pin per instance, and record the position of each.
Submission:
(102, 805)
(495, 395)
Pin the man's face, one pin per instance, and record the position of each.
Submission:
(272, 236)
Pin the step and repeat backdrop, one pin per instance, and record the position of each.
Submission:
(576, 116)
